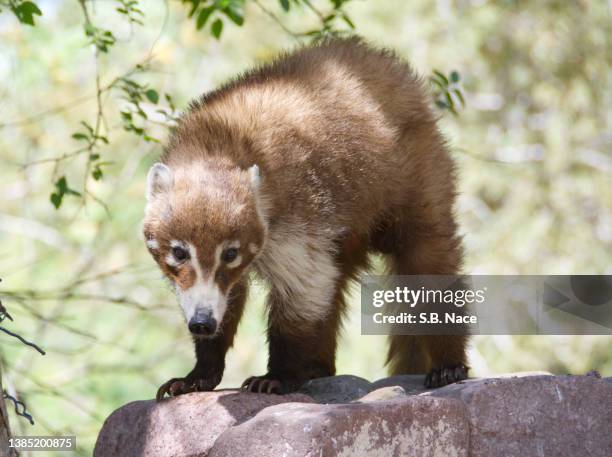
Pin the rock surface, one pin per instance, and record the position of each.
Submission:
(536, 415)
(412, 384)
(384, 393)
(337, 389)
(183, 426)
(526, 415)
(419, 427)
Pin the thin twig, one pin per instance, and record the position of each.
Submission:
(55, 159)
(315, 10)
(23, 340)
(17, 403)
(50, 390)
(54, 110)
(275, 18)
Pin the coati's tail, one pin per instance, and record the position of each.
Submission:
(406, 356)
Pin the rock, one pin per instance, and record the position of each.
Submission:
(336, 389)
(512, 416)
(411, 383)
(383, 394)
(536, 415)
(182, 426)
(415, 427)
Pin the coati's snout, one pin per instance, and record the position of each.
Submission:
(204, 227)
(202, 324)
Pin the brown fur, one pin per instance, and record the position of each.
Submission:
(351, 161)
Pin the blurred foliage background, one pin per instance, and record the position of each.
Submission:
(86, 95)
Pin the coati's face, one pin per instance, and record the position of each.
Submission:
(204, 226)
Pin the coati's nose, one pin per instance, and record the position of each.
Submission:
(202, 323)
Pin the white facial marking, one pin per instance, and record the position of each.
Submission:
(253, 248)
(178, 244)
(170, 260)
(234, 263)
(238, 260)
(301, 268)
(204, 294)
(153, 244)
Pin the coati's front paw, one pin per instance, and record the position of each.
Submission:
(266, 384)
(180, 386)
(445, 376)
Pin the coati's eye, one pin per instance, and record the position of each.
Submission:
(229, 255)
(180, 254)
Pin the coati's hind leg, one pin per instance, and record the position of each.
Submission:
(433, 249)
(302, 334)
(406, 355)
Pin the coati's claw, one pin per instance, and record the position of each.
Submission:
(166, 388)
(180, 386)
(445, 376)
(262, 385)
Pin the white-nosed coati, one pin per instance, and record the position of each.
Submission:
(298, 170)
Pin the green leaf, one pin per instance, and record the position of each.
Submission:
(194, 6)
(203, 17)
(329, 17)
(217, 28)
(169, 100)
(56, 199)
(90, 30)
(459, 95)
(455, 77)
(62, 189)
(152, 95)
(61, 184)
(26, 11)
(348, 21)
(141, 112)
(285, 4)
(441, 76)
(235, 13)
(97, 173)
(93, 157)
(80, 136)
(449, 101)
(438, 83)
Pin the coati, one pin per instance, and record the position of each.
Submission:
(298, 170)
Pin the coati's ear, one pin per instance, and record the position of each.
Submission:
(159, 180)
(254, 177)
